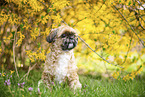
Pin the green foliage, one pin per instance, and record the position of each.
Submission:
(90, 87)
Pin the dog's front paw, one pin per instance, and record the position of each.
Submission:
(75, 85)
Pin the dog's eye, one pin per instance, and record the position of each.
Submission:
(72, 36)
(63, 35)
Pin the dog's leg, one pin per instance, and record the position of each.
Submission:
(47, 78)
(74, 81)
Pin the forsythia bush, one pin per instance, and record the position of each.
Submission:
(115, 29)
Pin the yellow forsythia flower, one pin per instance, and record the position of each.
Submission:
(115, 75)
(3, 74)
(0, 50)
(12, 71)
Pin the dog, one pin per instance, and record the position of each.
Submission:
(60, 66)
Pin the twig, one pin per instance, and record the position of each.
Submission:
(105, 64)
(127, 52)
(92, 33)
(14, 53)
(63, 21)
(129, 25)
(14, 44)
(30, 68)
(42, 3)
(141, 25)
(137, 15)
(8, 39)
(140, 4)
(97, 53)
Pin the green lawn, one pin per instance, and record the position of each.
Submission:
(90, 87)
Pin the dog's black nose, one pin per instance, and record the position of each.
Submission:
(72, 36)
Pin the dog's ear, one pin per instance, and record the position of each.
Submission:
(52, 35)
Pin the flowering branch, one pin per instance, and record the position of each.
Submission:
(97, 53)
(130, 26)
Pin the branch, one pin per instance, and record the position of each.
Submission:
(30, 68)
(97, 53)
(137, 15)
(141, 25)
(140, 4)
(127, 52)
(92, 33)
(130, 26)
(14, 44)
(14, 53)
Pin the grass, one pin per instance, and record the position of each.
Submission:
(90, 87)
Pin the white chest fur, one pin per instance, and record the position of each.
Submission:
(62, 69)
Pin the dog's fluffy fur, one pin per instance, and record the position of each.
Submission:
(60, 63)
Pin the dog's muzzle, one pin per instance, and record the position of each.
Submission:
(69, 43)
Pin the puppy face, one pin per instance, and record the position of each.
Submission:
(69, 40)
(65, 36)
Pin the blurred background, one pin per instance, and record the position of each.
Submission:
(111, 43)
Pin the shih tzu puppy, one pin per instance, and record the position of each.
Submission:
(60, 63)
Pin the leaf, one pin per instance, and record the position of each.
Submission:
(48, 10)
(21, 27)
(39, 44)
(13, 33)
(113, 32)
(129, 3)
(104, 49)
(42, 17)
(54, 9)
